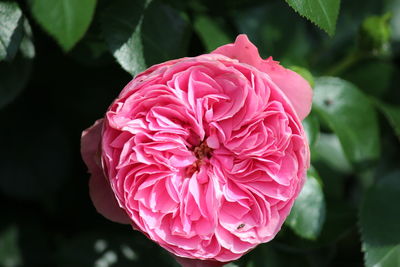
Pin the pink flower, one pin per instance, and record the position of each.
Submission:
(204, 155)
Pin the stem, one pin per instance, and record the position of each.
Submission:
(347, 62)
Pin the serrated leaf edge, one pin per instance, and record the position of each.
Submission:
(331, 34)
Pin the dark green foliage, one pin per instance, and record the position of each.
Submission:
(379, 222)
(308, 213)
(350, 115)
(62, 62)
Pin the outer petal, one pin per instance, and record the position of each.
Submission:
(100, 191)
(295, 87)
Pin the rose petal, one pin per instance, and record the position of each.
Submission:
(295, 87)
(100, 191)
(90, 142)
(214, 202)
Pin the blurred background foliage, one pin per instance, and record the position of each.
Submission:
(62, 62)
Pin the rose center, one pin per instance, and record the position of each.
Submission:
(202, 152)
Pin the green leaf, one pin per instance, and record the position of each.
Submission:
(15, 74)
(311, 127)
(305, 73)
(11, 29)
(10, 254)
(121, 24)
(139, 34)
(351, 115)
(65, 20)
(323, 13)
(308, 212)
(210, 32)
(27, 47)
(165, 34)
(329, 150)
(392, 113)
(379, 223)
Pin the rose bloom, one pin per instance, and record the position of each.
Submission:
(204, 155)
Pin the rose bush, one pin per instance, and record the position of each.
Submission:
(204, 155)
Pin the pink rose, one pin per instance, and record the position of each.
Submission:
(204, 155)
